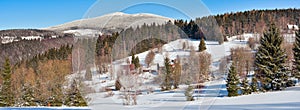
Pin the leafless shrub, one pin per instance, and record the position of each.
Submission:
(243, 58)
(252, 43)
(204, 63)
(130, 85)
(109, 94)
(149, 58)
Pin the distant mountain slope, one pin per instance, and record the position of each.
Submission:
(28, 32)
(15, 35)
(113, 21)
(26, 49)
(18, 48)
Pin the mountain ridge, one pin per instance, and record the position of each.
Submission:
(112, 21)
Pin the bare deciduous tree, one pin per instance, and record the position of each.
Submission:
(288, 47)
(223, 65)
(149, 58)
(204, 63)
(252, 43)
(243, 58)
(130, 86)
(177, 72)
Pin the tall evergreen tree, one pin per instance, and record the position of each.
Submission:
(56, 97)
(245, 87)
(132, 58)
(232, 82)
(296, 49)
(270, 60)
(28, 96)
(137, 62)
(74, 97)
(168, 72)
(6, 94)
(202, 46)
(254, 85)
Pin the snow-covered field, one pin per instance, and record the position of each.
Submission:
(213, 96)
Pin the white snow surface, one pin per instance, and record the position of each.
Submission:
(212, 97)
(84, 32)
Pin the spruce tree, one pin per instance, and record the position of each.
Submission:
(202, 46)
(296, 50)
(246, 89)
(232, 82)
(254, 85)
(28, 96)
(168, 72)
(56, 98)
(137, 62)
(270, 60)
(132, 58)
(74, 97)
(6, 94)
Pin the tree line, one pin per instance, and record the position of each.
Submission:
(255, 21)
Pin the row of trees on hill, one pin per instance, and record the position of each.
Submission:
(255, 21)
(31, 32)
(206, 28)
(272, 71)
(40, 81)
(229, 24)
(83, 54)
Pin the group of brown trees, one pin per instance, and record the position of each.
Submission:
(244, 60)
(40, 81)
(196, 68)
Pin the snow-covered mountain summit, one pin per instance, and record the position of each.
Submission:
(117, 20)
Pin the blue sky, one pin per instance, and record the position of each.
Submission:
(45, 13)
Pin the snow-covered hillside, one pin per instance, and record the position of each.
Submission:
(116, 20)
(84, 32)
(212, 96)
